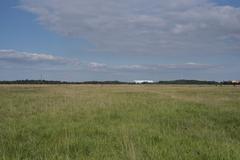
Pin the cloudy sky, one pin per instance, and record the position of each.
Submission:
(79, 40)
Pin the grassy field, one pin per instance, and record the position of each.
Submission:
(119, 122)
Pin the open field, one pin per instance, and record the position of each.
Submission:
(119, 122)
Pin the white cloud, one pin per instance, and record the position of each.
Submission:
(94, 66)
(133, 67)
(19, 57)
(166, 67)
(25, 60)
(142, 26)
(179, 28)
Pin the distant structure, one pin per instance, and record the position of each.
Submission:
(231, 82)
(143, 81)
(236, 81)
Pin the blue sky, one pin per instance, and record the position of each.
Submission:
(79, 40)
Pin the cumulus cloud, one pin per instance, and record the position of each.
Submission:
(95, 66)
(101, 67)
(143, 26)
(15, 59)
(166, 67)
(26, 57)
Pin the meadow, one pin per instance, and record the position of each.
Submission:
(119, 122)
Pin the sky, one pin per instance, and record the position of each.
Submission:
(79, 40)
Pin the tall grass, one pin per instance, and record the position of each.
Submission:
(113, 122)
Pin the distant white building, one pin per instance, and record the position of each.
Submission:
(236, 81)
(143, 81)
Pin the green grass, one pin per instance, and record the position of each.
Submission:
(119, 122)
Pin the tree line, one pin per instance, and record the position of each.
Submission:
(182, 81)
